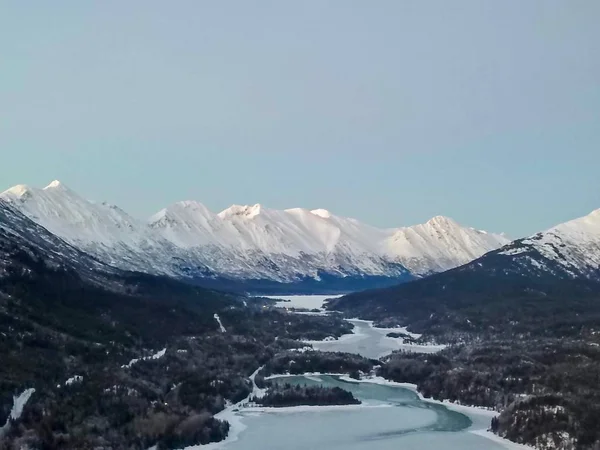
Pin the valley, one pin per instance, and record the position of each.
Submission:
(310, 225)
(118, 358)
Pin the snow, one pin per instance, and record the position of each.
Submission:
(256, 391)
(19, 402)
(500, 440)
(513, 251)
(248, 241)
(309, 375)
(473, 412)
(440, 244)
(156, 355)
(74, 379)
(54, 184)
(321, 213)
(223, 330)
(573, 246)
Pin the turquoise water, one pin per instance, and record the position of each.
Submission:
(390, 418)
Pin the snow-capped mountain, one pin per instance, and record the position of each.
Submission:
(571, 249)
(326, 239)
(21, 238)
(250, 242)
(440, 244)
(100, 229)
(560, 266)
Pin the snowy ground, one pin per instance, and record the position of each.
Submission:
(157, 355)
(218, 319)
(19, 402)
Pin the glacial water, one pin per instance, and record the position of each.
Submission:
(389, 418)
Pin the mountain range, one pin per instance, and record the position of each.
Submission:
(254, 247)
(538, 278)
(521, 320)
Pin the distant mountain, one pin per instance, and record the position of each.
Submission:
(439, 245)
(254, 247)
(570, 250)
(23, 241)
(546, 277)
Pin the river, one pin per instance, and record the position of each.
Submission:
(391, 416)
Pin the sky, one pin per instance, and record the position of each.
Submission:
(390, 111)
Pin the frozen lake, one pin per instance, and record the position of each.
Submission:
(370, 342)
(391, 417)
(366, 340)
(302, 301)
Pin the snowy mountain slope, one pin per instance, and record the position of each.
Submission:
(253, 241)
(103, 230)
(557, 270)
(571, 249)
(20, 235)
(249, 242)
(440, 244)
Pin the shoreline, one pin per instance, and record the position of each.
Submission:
(396, 344)
(466, 410)
(236, 413)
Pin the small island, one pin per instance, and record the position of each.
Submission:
(286, 394)
(405, 337)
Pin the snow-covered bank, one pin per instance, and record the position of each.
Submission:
(19, 402)
(237, 414)
(157, 355)
(218, 319)
(256, 391)
(413, 387)
(510, 445)
(308, 375)
(232, 414)
(475, 413)
(314, 408)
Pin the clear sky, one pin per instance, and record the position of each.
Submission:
(387, 111)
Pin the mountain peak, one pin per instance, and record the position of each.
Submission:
(246, 211)
(441, 221)
(321, 213)
(58, 186)
(54, 184)
(16, 191)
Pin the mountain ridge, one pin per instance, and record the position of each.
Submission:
(250, 242)
(562, 262)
